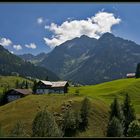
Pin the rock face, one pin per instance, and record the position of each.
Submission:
(87, 60)
(35, 59)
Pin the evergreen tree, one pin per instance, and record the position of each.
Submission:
(138, 71)
(129, 113)
(78, 120)
(26, 84)
(84, 112)
(46, 78)
(34, 86)
(18, 130)
(134, 129)
(23, 84)
(115, 128)
(17, 84)
(69, 123)
(3, 98)
(116, 111)
(44, 125)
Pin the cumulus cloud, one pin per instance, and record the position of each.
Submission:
(5, 42)
(17, 47)
(31, 45)
(93, 27)
(40, 20)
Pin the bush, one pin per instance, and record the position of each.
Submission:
(84, 112)
(44, 125)
(134, 129)
(18, 130)
(115, 128)
(69, 123)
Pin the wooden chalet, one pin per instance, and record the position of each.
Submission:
(15, 94)
(51, 87)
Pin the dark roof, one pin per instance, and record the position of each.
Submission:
(21, 91)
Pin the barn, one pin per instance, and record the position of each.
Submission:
(51, 87)
(14, 94)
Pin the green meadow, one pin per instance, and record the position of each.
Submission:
(100, 95)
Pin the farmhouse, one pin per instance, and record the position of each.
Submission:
(130, 75)
(15, 94)
(51, 87)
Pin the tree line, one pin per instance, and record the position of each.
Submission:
(122, 119)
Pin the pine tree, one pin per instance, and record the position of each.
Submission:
(78, 120)
(46, 78)
(3, 98)
(134, 129)
(17, 84)
(129, 113)
(26, 84)
(116, 111)
(23, 84)
(115, 128)
(69, 123)
(138, 71)
(18, 130)
(44, 125)
(84, 112)
(34, 86)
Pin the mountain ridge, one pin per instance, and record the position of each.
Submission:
(92, 61)
(12, 64)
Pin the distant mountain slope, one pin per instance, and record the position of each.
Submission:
(10, 82)
(69, 56)
(10, 63)
(35, 59)
(87, 60)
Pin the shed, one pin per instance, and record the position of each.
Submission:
(14, 94)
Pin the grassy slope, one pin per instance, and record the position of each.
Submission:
(25, 109)
(108, 90)
(10, 80)
(100, 95)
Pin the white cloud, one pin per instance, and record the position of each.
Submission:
(40, 20)
(12, 52)
(93, 27)
(17, 47)
(31, 45)
(5, 42)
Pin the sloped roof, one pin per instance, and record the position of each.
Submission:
(55, 84)
(22, 91)
(46, 82)
(59, 84)
(130, 74)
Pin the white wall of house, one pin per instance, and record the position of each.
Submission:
(12, 97)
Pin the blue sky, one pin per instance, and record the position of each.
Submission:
(24, 23)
